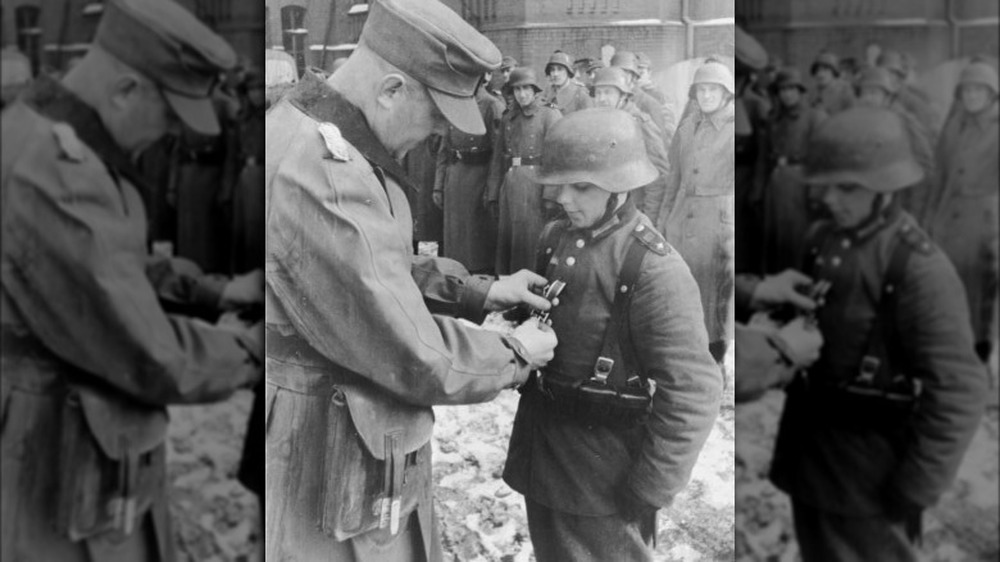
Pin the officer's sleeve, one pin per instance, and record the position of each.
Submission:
(668, 330)
(345, 279)
(655, 191)
(938, 348)
(448, 288)
(181, 281)
(78, 279)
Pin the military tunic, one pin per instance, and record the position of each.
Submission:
(697, 215)
(837, 469)
(357, 351)
(649, 198)
(463, 163)
(962, 218)
(833, 98)
(572, 96)
(573, 468)
(90, 359)
(518, 145)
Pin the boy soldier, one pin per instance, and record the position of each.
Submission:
(609, 431)
(90, 359)
(876, 432)
(564, 93)
(832, 94)
(358, 347)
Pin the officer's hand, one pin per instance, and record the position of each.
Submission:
(535, 343)
(244, 290)
(781, 289)
(631, 507)
(800, 342)
(438, 199)
(512, 290)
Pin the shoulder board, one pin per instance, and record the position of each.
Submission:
(335, 144)
(916, 238)
(70, 145)
(651, 239)
(642, 117)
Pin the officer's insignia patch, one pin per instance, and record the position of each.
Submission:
(335, 142)
(916, 238)
(650, 238)
(69, 143)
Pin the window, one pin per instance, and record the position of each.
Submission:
(294, 34)
(29, 34)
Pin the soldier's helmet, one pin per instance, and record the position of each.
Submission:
(893, 62)
(612, 76)
(981, 73)
(863, 145)
(523, 76)
(508, 63)
(788, 76)
(626, 60)
(877, 77)
(602, 146)
(713, 72)
(563, 60)
(642, 60)
(828, 60)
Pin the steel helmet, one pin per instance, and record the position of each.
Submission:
(713, 72)
(828, 60)
(863, 145)
(627, 61)
(788, 76)
(523, 76)
(876, 76)
(612, 76)
(642, 59)
(749, 51)
(508, 62)
(601, 145)
(562, 59)
(892, 61)
(981, 73)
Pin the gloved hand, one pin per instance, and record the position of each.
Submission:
(534, 342)
(799, 341)
(631, 507)
(243, 290)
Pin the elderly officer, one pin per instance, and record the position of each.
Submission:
(697, 215)
(358, 344)
(463, 162)
(610, 430)
(611, 89)
(877, 431)
(510, 193)
(90, 359)
(564, 93)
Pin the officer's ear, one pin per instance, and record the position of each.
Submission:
(391, 89)
(126, 88)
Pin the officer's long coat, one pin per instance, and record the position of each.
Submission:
(90, 359)
(469, 232)
(697, 212)
(819, 459)
(963, 215)
(355, 356)
(520, 199)
(572, 467)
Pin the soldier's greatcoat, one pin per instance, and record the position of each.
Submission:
(572, 96)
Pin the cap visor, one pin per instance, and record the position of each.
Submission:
(463, 113)
(196, 113)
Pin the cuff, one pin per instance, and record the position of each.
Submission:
(208, 289)
(472, 303)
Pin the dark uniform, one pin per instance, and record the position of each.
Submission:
(860, 466)
(463, 163)
(573, 470)
(90, 359)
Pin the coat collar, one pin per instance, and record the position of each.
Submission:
(318, 100)
(876, 222)
(622, 215)
(718, 119)
(52, 100)
(981, 120)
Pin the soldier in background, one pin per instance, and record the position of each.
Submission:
(611, 89)
(832, 94)
(643, 64)
(90, 358)
(626, 60)
(519, 207)
(962, 218)
(878, 430)
(581, 67)
(463, 163)
(594, 473)
(564, 93)
(504, 91)
(913, 99)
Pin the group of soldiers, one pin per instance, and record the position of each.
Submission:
(866, 287)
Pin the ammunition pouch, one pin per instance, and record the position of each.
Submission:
(592, 402)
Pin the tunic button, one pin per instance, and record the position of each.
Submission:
(835, 261)
(580, 243)
(845, 243)
(548, 250)
(555, 301)
(640, 228)
(623, 289)
(570, 261)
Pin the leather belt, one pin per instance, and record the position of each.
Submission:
(474, 156)
(516, 161)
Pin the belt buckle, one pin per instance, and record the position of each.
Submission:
(516, 161)
(869, 367)
(458, 155)
(602, 369)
